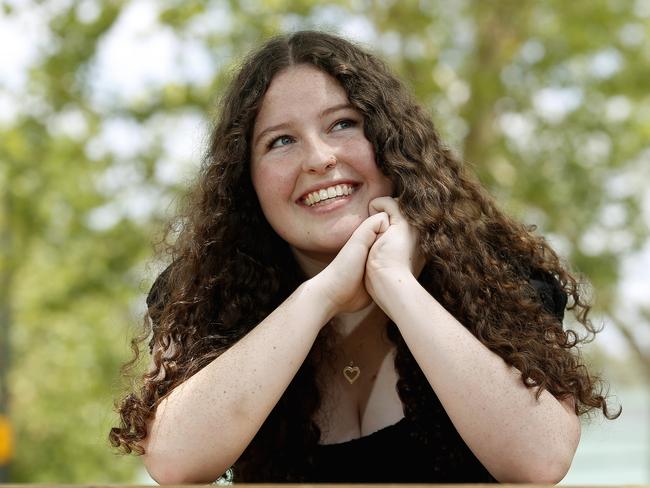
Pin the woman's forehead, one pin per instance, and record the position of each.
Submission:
(298, 91)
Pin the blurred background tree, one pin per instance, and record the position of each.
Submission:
(104, 107)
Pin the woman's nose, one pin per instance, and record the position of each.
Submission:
(320, 158)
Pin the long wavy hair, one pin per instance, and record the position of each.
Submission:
(229, 269)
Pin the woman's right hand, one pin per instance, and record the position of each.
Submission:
(342, 281)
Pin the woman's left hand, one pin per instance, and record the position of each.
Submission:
(396, 250)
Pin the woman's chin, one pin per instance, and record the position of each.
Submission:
(321, 241)
(331, 248)
(334, 240)
(326, 246)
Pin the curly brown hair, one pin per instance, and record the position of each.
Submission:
(230, 269)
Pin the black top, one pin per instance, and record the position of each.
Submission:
(396, 454)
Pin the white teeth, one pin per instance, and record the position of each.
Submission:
(329, 192)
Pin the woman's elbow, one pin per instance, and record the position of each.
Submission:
(162, 471)
(549, 467)
(172, 475)
(169, 470)
(541, 473)
(550, 473)
(552, 469)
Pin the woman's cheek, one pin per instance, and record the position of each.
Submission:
(274, 187)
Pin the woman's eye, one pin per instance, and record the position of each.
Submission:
(280, 141)
(344, 124)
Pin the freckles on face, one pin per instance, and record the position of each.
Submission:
(273, 184)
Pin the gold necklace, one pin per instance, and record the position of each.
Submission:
(351, 372)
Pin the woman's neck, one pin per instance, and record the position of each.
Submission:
(353, 329)
(311, 263)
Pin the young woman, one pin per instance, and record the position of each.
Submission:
(345, 303)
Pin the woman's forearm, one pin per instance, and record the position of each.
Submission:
(517, 438)
(205, 424)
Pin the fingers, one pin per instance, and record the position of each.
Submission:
(368, 230)
(384, 223)
(356, 249)
(388, 205)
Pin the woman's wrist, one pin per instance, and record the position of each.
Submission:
(386, 284)
(320, 298)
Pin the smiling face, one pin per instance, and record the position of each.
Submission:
(312, 167)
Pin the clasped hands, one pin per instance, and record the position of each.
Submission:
(383, 248)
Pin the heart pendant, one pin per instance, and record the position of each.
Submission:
(351, 373)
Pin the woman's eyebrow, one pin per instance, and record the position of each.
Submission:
(336, 108)
(285, 125)
(259, 136)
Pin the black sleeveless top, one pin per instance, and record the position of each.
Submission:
(396, 454)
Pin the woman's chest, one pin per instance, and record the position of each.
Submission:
(370, 403)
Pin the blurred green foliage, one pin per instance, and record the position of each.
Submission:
(547, 100)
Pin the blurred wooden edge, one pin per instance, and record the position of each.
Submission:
(323, 485)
